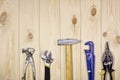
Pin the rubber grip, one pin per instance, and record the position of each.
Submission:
(102, 74)
(47, 73)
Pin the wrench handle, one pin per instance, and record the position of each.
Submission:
(47, 73)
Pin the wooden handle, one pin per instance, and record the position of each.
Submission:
(69, 62)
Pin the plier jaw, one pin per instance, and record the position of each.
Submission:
(107, 58)
(28, 50)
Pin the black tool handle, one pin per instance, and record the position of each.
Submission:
(111, 78)
(111, 74)
(110, 70)
(105, 75)
(47, 73)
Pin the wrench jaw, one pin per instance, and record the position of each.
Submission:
(44, 55)
(47, 58)
(91, 47)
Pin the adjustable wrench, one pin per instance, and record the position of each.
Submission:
(47, 59)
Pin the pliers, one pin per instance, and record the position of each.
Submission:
(90, 59)
(107, 61)
(47, 59)
(29, 59)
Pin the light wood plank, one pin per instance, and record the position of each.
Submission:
(29, 34)
(9, 56)
(110, 30)
(49, 33)
(91, 31)
(70, 9)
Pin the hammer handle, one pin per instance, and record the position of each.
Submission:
(69, 62)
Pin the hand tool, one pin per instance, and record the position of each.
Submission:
(107, 60)
(68, 45)
(90, 59)
(47, 62)
(29, 59)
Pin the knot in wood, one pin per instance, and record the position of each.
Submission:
(93, 11)
(30, 35)
(118, 39)
(3, 17)
(105, 34)
(74, 20)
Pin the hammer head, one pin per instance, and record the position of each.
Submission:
(67, 41)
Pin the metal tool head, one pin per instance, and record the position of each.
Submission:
(28, 50)
(47, 57)
(91, 47)
(67, 41)
(107, 56)
(107, 46)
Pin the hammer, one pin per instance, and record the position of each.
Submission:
(68, 47)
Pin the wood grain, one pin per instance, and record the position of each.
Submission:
(111, 25)
(69, 10)
(29, 34)
(91, 31)
(9, 63)
(40, 23)
(49, 34)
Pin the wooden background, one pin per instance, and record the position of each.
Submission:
(40, 23)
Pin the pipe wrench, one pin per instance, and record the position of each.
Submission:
(90, 59)
(29, 59)
(107, 61)
(47, 59)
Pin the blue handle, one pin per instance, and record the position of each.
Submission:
(90, 59)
